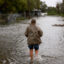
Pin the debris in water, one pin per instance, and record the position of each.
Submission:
(60, 25)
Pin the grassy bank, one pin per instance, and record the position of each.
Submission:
(18, 20)
(61, 15)
(54, 13)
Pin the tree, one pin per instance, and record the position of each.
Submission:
(43, 6)
(37, 4)
(62, 7)
(52, 11)
(63, 1)
(58, 7)
(7, 6)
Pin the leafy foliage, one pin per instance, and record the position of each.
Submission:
(43, 6)
(52, 11)
(7, 6)
(60, 8)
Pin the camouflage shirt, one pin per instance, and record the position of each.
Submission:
(33, 34)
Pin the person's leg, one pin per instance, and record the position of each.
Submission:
(31, 54)
(31, 51)
(36, 52)
(36, 46)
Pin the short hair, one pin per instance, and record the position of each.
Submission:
(33, 21)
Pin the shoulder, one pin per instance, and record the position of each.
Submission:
(38, 27)
(27, 28)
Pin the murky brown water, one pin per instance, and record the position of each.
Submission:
(13, 44)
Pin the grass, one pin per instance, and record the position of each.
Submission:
(20, 18)
(62, 15)
(55, 13)
(52, 13)
(2, 22)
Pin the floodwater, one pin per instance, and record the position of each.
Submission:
(13, 43)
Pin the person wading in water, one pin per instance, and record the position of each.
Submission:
(33, 34)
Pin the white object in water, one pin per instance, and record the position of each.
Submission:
(38, 58)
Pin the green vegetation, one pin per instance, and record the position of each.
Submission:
(58, 10)
(43, 6)
(21, 18)
(8, 6)
(52, 11)
(21, 6)
(17, 6)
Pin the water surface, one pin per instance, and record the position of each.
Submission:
(13, 43)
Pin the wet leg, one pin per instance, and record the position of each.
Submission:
(31, 54)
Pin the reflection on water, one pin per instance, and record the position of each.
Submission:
(13, 44)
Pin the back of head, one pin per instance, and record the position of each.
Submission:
(33, 21)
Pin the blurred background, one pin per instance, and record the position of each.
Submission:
(12, 10)
(16, 15)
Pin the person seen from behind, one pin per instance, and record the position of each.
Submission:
(33, 34)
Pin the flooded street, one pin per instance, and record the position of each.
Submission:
(13, 43)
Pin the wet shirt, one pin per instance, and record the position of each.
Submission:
(33, 34)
